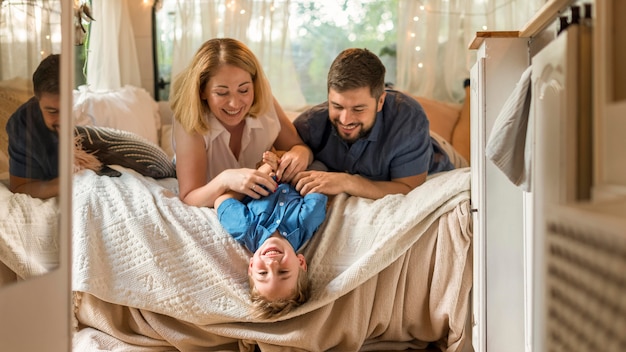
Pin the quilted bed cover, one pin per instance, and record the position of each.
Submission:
(153, 274)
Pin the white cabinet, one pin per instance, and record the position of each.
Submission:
(556, 114)
(609, 100)
(499, 296)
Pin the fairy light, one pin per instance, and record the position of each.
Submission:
(242, 12)
(484, 27)
(412, 34)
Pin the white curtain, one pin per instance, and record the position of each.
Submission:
(261, 24)
(112, 60)
(29, 31)
(433, 57)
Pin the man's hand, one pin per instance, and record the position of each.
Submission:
(329, 183)
(333, 183)
(292, 162)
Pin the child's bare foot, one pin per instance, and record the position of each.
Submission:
(271, 159)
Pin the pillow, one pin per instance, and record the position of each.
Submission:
(13, 93)
(117, 147)
(129, 109)
(165, 134)
(461, 134)
(441, 116)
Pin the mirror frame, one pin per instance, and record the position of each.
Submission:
(36, 313)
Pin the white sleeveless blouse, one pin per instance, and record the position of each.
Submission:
(258, 136)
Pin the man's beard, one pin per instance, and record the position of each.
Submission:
(362, 133)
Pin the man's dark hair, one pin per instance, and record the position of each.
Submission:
(46, 76)
(357, 68)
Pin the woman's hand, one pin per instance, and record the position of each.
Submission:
(250, 182)
(292, 162)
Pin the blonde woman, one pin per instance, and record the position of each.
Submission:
(225, 117)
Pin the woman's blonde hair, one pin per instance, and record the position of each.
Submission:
(185, 100)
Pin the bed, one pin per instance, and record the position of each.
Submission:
(150, 273)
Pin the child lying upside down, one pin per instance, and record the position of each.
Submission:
(274, 228)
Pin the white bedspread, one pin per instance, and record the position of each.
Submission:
(29, 243)
(141, 254)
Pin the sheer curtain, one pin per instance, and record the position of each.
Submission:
(112, 60)
(29, 31)
(432, 49)
(261, 24)
(433, 56)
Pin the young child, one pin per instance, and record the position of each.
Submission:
(274, 228)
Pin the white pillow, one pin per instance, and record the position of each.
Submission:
(129, 109)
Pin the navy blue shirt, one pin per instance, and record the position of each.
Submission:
(33, 148)
(398, 145)
(252, 221)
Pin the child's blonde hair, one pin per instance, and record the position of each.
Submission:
(265, 309)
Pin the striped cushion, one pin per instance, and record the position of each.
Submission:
(117, 147)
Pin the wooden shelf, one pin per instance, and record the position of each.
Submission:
(480, 37)
(546, 15)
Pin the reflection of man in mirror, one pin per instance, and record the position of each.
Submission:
(33, 132)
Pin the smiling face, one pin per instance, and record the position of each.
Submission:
(229, 94)
(274, 268)
(353, 112)
(50, 106)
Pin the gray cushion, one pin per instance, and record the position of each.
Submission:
(117, 147)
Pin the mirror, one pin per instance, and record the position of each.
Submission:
(29, 225)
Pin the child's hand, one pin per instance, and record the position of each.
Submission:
(270, 159)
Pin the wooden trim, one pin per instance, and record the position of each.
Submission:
(480, 37)
(548, 13)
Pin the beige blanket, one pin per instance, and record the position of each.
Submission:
(154, 274)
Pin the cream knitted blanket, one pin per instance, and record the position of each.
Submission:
(154, 272)
(29, 241)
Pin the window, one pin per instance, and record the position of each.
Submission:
(312, 32)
